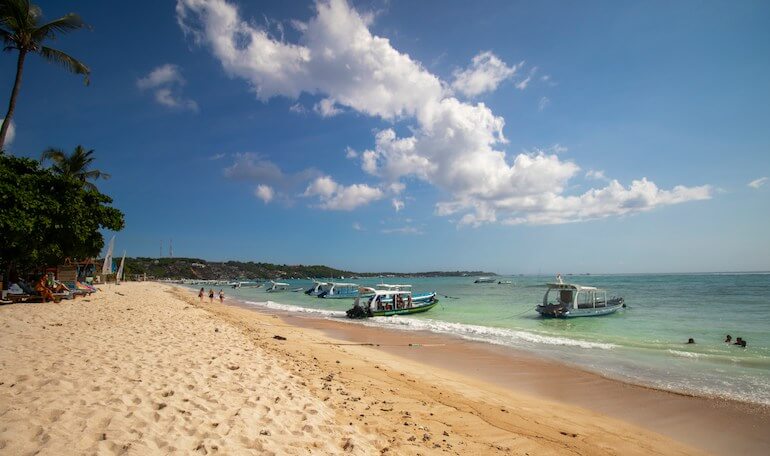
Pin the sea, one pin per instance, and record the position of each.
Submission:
(644, 344)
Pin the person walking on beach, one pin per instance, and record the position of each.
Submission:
(221, 296)
(211, 295)
(200, 294)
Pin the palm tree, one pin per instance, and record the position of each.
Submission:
(75, 165)
(20, 29)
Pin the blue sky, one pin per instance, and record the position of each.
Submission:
(513, 137)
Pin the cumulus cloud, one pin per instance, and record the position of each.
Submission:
(397, 204)
(334, 196)
(595, 174)
(455, 146)
(10, 133)
(297, 108)
(166, 83)
(485, 74)
(326, 108)
(756, 183)
(264, 192)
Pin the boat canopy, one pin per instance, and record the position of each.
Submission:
(387, 286)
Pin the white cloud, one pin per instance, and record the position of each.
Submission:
(596, 174)
(455, 146)
(350, 153)
(756, 183)
(326, 108)
(334, 196)
(166, 83)
(264, 192)
(357, 226)
(402, 230)
(543, 103)
(218, 156)
(10, 134)
(297, 108)
(397, 204)
(485, 74)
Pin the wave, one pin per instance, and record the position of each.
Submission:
(497, 336)
(299, 309)
(686, 354)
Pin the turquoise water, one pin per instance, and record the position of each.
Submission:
(643, 344)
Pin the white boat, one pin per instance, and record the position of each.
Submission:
(567, 300)
(274, 287)
(485, 280)
(339, 290)
(317, 288)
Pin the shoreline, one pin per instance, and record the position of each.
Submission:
(713, 424)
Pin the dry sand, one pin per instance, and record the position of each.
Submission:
(141, 368)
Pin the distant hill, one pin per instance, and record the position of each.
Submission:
(196, 268)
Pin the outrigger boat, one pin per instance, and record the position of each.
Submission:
(335, 290)
(418, 298)
(485, 280)
(385, 303)
(277, 286)
(317, 288)
(566, 300)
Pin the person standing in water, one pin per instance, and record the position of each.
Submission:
(221, 296)
(200, 294)
(211, 295)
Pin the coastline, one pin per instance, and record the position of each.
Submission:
(715, 425)
(144, 368)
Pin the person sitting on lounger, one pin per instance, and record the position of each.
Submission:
(43, 289)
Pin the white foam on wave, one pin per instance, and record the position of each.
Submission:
(497, 336)
(299, 309)
(684, 354)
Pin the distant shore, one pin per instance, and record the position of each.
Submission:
(143, 368)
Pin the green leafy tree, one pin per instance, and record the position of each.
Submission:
(22, 30)
(47, 217)
(76, 165)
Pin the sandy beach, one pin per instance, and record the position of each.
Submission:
(144, 368)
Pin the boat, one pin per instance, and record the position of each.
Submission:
(568, 300)
(317, 288)
(484, 280)
(368, 292)
(504, 282)
(275, 287)
(386, 303)
(246, 284)
(339, 290)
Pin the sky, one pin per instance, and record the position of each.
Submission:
(510, 137)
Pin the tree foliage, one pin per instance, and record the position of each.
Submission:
(47, 217)
(77, 164)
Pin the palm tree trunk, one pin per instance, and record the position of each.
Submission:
(14, 94)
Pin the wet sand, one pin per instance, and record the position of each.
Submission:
(715, 425)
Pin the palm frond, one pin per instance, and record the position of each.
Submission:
(53, 154)
(66, 60)
(96, 174)
(64, 24)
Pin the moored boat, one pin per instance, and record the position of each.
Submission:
(385, 303)
(568, 300)
(484, 280)
(338, 290)
(316, 289)
(274, 287)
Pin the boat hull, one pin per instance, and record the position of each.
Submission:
(360, 312)
(406, 311)
(553, 311)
